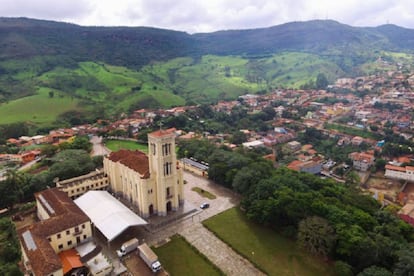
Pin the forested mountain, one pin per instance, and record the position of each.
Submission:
(118, 69)
(136, 46)
(125, 46)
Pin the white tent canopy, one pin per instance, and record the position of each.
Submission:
(109, 215)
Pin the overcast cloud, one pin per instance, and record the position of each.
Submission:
(212, 15)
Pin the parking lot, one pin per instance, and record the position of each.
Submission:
(225, 199)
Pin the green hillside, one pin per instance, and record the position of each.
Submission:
(38, 109)
(95, 72)
(105, 90)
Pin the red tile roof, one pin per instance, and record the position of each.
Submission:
(43, 260)
(64, 214)
(135, 160)
(395, 168)
(162, 132)
(70, 260)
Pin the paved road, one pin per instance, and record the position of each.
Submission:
(98, 148)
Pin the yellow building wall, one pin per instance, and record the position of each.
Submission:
(42, 214)
(57, 273)
(75, 191)
(68, 238)
(143, 193)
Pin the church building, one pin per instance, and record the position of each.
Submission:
(153, 182)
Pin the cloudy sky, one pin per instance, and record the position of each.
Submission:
(211, 15)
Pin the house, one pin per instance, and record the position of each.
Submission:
(362, 161)
(62, 226)
(356, 141)
(294, 146)
(253, 144)
(306, 166)
(407, 213)
(405, 173)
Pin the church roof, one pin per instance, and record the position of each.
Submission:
(163, 132)
(135, 160)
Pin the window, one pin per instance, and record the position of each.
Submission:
(166, 149)
(60, 246)
(83, 226)
(167, 168)
(153, 148)
(58, 236)
(69, 243)
(84, 237)
(49, 239)
(67, 232)
(76, 229)
(168, 191)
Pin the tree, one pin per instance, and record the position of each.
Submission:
(98, 161)
(380, 164)
(375, 271)
(246, 178)
(81, 142)
(321, 81)
(316, 235)
(239, 137)
(15, 180)
(71, 163)
(352, 180)
(51, 94)
(343, 269)
(405, 264)
(49, 150)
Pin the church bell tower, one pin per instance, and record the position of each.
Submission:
(164, 168)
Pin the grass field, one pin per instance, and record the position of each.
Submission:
(179, 258)
(115, 145)
(203, 193)
(354, 131)
(264, 247)
(37, 109)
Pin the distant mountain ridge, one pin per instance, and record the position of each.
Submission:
(86, 73)
(137, 46)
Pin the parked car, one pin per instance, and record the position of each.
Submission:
(204, 206)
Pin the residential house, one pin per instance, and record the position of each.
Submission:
(306, 166)
(62, 226)
(362, 161)
(405, 173)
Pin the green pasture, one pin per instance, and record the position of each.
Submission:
(37, 109)
(203, 193)
(178, 257)
(115, 145)
(268, 250)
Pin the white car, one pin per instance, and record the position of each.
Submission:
(204, 206)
